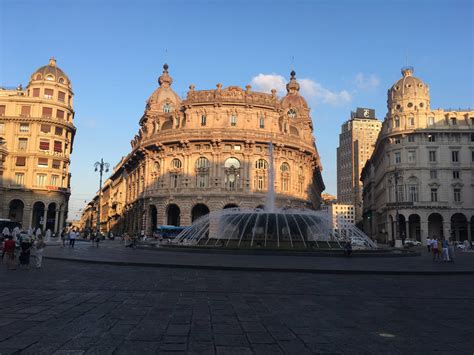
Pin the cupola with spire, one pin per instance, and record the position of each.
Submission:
(163, 99)
(408, 93)
(293, 97)
(51, 73)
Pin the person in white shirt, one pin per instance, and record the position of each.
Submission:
(72, 238)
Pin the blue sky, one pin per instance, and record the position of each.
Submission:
(346, 54)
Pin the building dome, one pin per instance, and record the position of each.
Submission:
(293, 98)
(50, 72)
(164, 99)
(408, 85)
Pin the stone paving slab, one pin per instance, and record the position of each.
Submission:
(83, 308)
(116, 253)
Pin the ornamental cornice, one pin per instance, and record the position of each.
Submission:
(29, 119)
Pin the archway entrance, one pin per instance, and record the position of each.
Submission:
(173, 215)
(15, 212)
(459, 227)
(414, 227)
(230, 205)
(199, 210)
(152, 215)
(435, 225)
(38, 215)
(51, 217)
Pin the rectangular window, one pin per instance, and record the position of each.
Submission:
(434, 195)
(44, 144)
(233, 120)
(411, 138)
(431, 121)
(432, 156)
(411, 156)
(237, 147)
(60, 114)
(227, 147)
(397, 140)
(20, 161)
(25, 111)
(457, 195)
(45, 128)
(58, 131)
(262, 122)
(24, 127)
(398, 158)
(431, 137)
(456, 174)
(2, 127)
(22, 144)
(2, 110)
(61, 96)
(207, 146)
(56, 164)
(472, 156)
(54, 180)
(47, 112)
(455, 156)
(411, 121)
(453, 121)
(36, 92)
(413, 193)
(433, 174)
(203, 120)
(19, 178)
(472, 137)
(198, 147)
(42, 162)
(58, 146)
(40, 179)
(48, 93)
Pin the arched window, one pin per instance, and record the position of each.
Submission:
(166, 108)
(202, 172)
(61, 80)
(260, 176)
(38, 76)
(291, 113)
(49, 77)
(233, 120)
(156, 167)
(176, 163)
(285, 177)
(397, 121)
(411, 121)
(262, 122)
(232, 173)
(156, 173)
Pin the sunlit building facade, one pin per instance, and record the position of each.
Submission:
(36, 139)
(421, 173)
(209, 151)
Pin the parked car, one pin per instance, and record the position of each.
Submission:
(459, 245)
(412, 243)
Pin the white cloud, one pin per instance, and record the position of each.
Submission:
(267, 82)
(366, 82)
(310, 89)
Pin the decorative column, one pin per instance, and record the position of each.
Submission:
(469, 235)
(56, 221)
(423, 231)
(61, 219)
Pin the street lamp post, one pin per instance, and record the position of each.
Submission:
(396, 176)
(101, 167)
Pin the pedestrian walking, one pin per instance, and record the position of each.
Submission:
(434, 248)
(428, 244)
(40, 245)
(445, 251)
(451, 251)
(72, 238)
(25, 253)
(97, 239)
(348, 248)
(63, 237)
(9, 253)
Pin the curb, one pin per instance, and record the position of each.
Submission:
(268, 269)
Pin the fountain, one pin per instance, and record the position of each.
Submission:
(270, 228)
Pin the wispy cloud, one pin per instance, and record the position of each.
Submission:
(310, 89)
(366, 82)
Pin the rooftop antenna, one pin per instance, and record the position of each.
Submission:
(292, 62)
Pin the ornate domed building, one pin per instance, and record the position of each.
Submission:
(37, 130)
(421, 171)
(210, 151)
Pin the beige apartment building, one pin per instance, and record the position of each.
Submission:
(356, 144)
(36, 139)
(422, 170)
(209, 151)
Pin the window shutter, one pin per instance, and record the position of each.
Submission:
(20, 161)
(58, 146)
(44, 145)
(36, 92)
(25, 111)
(60, 114)
(61, 96)
(2, 110)
(47, 112)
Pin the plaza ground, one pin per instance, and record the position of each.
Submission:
(73, 307)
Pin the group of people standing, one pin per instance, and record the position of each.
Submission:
(13, 242)
(441, 249)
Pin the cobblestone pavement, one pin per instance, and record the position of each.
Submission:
(116, 252)
(80, 308)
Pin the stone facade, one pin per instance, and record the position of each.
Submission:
(210, 151)
(356, 144)
(422, 169)
(37, 131)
